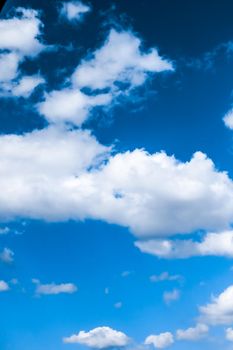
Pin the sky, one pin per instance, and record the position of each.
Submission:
(116, 175)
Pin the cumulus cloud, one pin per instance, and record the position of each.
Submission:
(74, 10)
(61, 174)
(229, 334)
(7, 256)
(20, 37)
(160, 341)
(4, 287)
(170, 296)
(175, 198)
(21, 33)
(118, 66)
(69, 105)
(193, 333)
(220, 310)
(215, 244)
(119, 60)
(42, 182)
(164, 276)
(99, 338)
(54, 289)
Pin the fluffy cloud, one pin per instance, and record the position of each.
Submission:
(70, 105)
(169, 297)
(20, 37)
(61, 175)
(54, 289)
(74, 10)
(220, 310)
(218, 244)
(229, 334)
(7, 256)
(21, 33)
(99, 338)
(119, 60)
(4, 286)
(118, 66)
(193, 333)
(39, 171)
(160, 341)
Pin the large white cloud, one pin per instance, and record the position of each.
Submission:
(51, 174)
(220, 309)
(119, 61)
(160, 341)
(99, 338)
(39, 171)
(218, 244)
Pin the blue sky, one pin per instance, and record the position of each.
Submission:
(116, 155)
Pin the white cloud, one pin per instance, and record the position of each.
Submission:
(70, 105)
(20, 37)
(26, 85)
(61, 175)
(22, 33)
(43, 180)
(229, 334)
(228, 119)
(171, 296)
(22, 87)
(164, 276)
(118, 61)
(9, 63)
(220, 310)
(7, 256)
(99, 338)
(175, 198)
(4, 287)
(74, 10)
(193, 333)
(160, 341)
(54, 289)
(216, 244)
